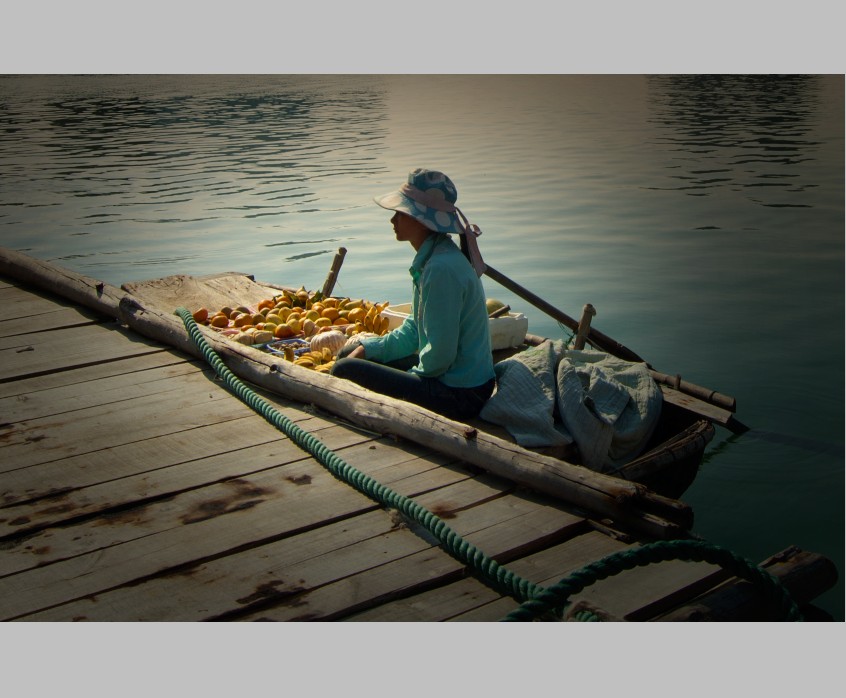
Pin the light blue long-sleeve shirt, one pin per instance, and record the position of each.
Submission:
(448, 325)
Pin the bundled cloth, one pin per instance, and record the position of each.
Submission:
(551, 396)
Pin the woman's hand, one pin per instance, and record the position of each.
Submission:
(357, 353)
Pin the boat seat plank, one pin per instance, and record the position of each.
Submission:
(704, 409)
(193, 292)
(42, 352)
(470, 599)
(204, 523)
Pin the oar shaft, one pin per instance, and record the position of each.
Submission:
(594, 336)
(605, 343)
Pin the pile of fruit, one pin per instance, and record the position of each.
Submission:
(326, 323)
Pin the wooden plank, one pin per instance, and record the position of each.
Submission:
(704, 409)
(205, 590)
(804, 574)
(659, 586)
(82, 375)
(43, 352)
(17, 303)
(503, 528)
(196, 526)
(89, 534)
(104, 391)
(625, 595)
(34, 526)
(120, 477)
(57, 319)
(470, 600)
(191, 404)
(311, 560)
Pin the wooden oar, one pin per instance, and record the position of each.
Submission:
(704, 398)
(594, 336)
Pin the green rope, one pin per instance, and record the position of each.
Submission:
(535, 600)
(557, 596)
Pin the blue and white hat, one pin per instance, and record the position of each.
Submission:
(429, 196)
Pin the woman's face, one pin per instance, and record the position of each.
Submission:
(408, 229)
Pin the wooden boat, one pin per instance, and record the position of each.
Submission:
(642, 494)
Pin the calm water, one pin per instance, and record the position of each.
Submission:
(703, 216)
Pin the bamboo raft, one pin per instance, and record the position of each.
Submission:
(134, 487)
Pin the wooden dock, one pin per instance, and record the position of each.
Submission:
(134, 487)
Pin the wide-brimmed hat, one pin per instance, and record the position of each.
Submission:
(429, 196)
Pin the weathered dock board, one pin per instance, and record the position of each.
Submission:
(134, 487)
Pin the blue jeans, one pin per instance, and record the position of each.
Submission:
(394, 380)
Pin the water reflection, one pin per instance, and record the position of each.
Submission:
(750, 133)
(178, 151)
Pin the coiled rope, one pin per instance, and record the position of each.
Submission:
(559, 593)
(535, 600)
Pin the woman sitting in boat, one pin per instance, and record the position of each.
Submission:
(440, 357)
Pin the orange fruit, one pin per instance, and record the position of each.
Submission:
(356, 314)
(219, 321)
(283, 331)
(201, 315)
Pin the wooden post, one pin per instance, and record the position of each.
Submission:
(584, 326)
(329, 285)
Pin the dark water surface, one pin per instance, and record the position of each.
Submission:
(703, 217)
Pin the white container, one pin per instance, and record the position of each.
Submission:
(506, 331)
